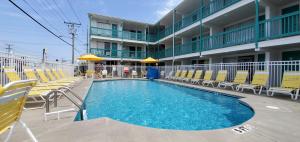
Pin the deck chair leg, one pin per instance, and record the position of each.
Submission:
(254, 91)
(272, 93)
(260, 90)
(11, 129)
(297, 94)
(28, 131)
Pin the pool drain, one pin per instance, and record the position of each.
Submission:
(242, 129)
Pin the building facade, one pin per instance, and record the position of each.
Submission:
(203, 31)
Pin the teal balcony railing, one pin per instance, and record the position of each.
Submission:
(238, 36)
(122, 34)
(187, 48)
(118, 53)
(188, 20)
(279, 27)
(166, 32)
(216, 6)
(203, 12)
(105, 32)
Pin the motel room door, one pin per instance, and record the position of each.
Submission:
(114, 31)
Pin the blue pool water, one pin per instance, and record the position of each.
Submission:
(165, 106)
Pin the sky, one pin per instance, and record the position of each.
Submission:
(29, 38)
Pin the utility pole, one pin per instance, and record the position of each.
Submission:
(44, 57)
(72, 30)
(9, 49)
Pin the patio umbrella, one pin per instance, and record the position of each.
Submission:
(149, 60)
(90, 57)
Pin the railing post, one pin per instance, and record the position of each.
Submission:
(173, 41)
(256, 24)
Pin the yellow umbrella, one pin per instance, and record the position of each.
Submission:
(90, 57)
(149, 60)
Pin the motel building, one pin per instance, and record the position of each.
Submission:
(202, 32)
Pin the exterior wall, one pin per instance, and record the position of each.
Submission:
(228, 42)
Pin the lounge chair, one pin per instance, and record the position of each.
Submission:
(221, 77)
(259, 81)
(52, 77)
(182, 75)
(177, 75)
(169, 75)
(104, 73)
(189, 76)
(38, 93)
(12, 98)
(207, 76)
(134, 74)
(66, 76)
(197, 77)
(240, 78)
(58, 77)
(290, 85)
(162, 74)
(89, 74)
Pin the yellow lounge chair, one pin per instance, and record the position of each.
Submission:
(189, 76)
(52, 77)
(65, 76)
(207, 76)
(197, 77)
(290, 85)
(177, 74)
(12, 100)
(38, 93)
(259, 81)
(44, 79)
(89, 74)
(182, 75)
(221, 77)
(240, 78)
(58, 77)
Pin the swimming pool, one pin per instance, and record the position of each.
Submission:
(163, 105)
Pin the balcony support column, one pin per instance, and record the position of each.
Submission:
(201, 34)
(256, 25)
(173, 42)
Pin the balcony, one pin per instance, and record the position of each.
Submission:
(215, 6)
(127, 35)
(237, 36)
(187, 48)
(203, 12)
(280, 27)
(118, 53)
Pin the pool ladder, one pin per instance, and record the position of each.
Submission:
(82, 109)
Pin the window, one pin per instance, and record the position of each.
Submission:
(106, 48)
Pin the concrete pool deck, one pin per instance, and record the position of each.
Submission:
(276, 119)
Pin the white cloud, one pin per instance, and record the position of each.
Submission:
(168, 5)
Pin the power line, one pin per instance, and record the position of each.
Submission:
(41, 16)
(74, 11)
(39, 23)
(54, 13)
(61, 11)
(29, 43)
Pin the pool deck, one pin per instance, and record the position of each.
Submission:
(267, 125)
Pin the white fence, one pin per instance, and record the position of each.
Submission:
(275, 69)
(19, 62)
